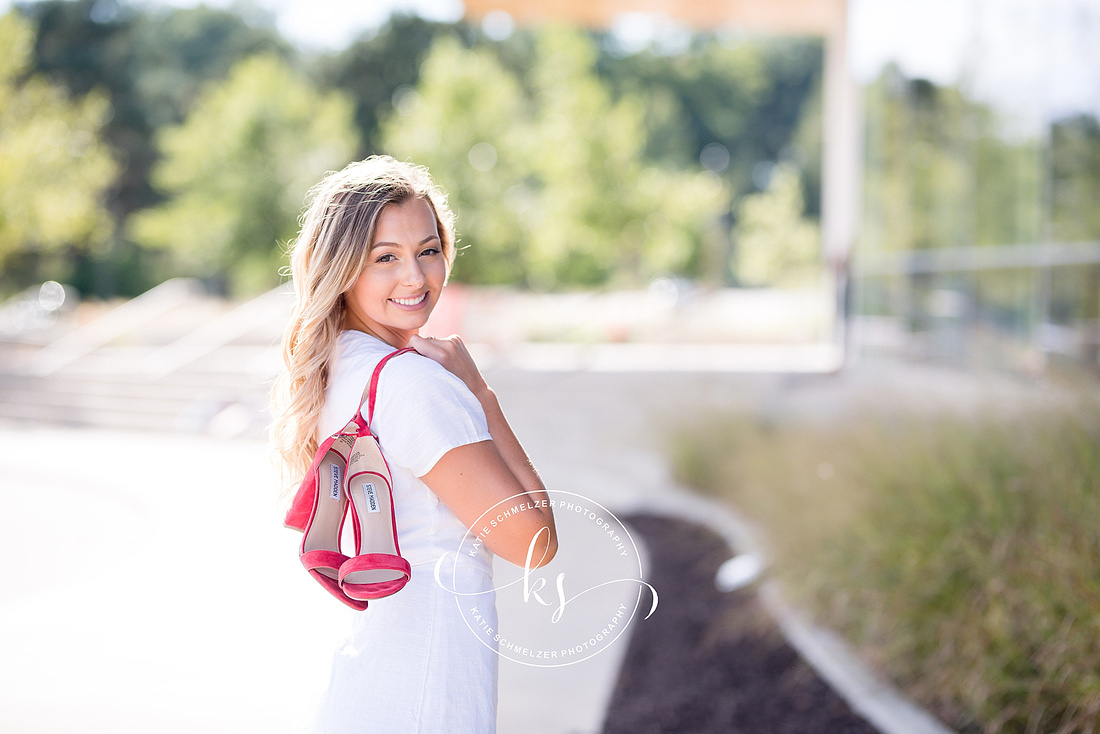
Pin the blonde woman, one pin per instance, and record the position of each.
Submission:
(373, 255)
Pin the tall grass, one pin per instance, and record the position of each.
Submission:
(960, 555)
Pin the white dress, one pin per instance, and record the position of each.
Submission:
(410, 663)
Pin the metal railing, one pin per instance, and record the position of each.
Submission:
(957, 259)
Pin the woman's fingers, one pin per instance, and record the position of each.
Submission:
(425, 346)
(453, 355)
(440, 350)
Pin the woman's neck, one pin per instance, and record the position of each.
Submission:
(396, 339)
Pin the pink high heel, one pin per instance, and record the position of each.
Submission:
(321, 504)
(381, 570)
(320, 551)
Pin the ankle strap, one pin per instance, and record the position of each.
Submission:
(371, 390)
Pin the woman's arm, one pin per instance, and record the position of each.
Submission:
(472, 478)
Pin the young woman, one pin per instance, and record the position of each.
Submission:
(373, 255)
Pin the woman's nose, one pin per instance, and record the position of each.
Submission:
(413, 274)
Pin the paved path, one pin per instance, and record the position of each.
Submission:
(148, 584)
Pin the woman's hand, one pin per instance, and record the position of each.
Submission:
(455, 358)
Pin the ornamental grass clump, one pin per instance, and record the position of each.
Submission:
(960, 555)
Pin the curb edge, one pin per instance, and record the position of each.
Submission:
(876, 700)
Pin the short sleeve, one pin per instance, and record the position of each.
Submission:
(422, 411)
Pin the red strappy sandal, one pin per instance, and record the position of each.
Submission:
(324, 512)
(321, 504)
(377, 569)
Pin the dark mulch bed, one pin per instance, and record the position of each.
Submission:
(708, 661)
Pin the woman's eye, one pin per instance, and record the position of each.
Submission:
(385, 258)
(430, 251)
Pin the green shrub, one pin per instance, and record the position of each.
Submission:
(961, 556)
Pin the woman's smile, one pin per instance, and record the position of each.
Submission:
(413, 302)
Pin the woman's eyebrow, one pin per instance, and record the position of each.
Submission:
(424, 241)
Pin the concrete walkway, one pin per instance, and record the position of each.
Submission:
(148, 584)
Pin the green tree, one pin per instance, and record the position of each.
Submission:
(944, 171)
(53, 167)
(377, 65)
(775, 244)
(152, 63)
(749, 95)
(940, 173)
(606, 211)
(733, 104)
(237, 169)
(466, 121)
(1075, 174)
(548, 174)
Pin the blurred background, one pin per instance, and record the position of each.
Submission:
(892, 193)
(863, 175)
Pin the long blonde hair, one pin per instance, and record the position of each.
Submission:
(325, 261)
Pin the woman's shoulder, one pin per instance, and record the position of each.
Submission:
(355, 346)
(414, 372)
(358, 352)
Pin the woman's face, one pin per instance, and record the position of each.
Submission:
(404, 274)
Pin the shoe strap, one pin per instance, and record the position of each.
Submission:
(316, 559)
(375, 562)
(370, 392)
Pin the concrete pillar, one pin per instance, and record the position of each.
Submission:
(842, 162)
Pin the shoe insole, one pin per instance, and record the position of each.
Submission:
(370, 492)
(324, 533)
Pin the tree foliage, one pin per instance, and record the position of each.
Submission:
(944, 170)
(775, 243)
(373, 68)
(737, 105)
(749, 95)
(476, 157)
(152, 64)
(237, 169)
(547, 173)
(53, 167)
(610, 190)
(1075, 170)
(939, 172)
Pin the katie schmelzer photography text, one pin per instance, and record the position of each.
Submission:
(574, 607)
